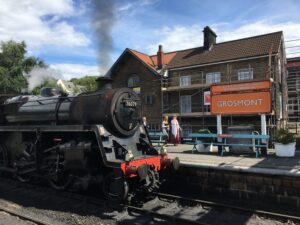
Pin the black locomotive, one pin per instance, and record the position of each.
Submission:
(81, 139)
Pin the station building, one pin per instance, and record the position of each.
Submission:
(176, 83)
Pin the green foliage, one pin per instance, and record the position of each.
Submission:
(13, 64)
(89, 82)
(284, 136)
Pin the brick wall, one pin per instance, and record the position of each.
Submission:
(149, 84)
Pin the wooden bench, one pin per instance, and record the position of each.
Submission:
(157, 137)
(259, 141)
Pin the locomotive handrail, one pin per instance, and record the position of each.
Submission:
(85, 94)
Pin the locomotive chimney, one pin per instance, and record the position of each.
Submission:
(104, 83)
(160, 57)
(209, 38)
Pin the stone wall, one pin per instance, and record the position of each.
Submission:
(258, 189)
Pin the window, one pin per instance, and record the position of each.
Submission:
(133, 81)
(245, 74)
(185, 104)
(213, 77)
(293, 105)
(185, 80)
(149, 99)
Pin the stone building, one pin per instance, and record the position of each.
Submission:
(174, 83)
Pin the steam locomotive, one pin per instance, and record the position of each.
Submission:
(82, 139)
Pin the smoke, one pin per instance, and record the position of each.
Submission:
(38, 76)
(103, 19)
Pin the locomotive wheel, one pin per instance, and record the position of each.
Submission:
(115, 187)
(23, 177)
(60, 178)
(61, 181)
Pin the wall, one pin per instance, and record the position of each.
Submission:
(257, 189)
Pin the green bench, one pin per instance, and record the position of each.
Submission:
(259, 141)
(157, 137)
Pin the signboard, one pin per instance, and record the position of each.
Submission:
(241, 103)
(206, 97)
(241, 87)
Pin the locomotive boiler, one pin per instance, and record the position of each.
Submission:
(83, 139)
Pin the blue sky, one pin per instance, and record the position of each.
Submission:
(60, 31)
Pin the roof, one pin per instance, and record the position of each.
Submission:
(292, 63)
(151, 61)
(224, 51)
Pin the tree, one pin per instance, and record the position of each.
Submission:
(13, 65)
(89, 82)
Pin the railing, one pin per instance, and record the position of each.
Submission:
(294, 128)
(198, 78)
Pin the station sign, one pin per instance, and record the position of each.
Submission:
(241, 103)
(241, 87)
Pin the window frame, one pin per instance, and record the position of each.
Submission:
(149, 99)
(213, 77)
(185, 80)
(133, 81)
(242, 74)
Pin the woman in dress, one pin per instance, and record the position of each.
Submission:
(175, 131)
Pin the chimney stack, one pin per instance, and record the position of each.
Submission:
(160, 57)
(209, 38)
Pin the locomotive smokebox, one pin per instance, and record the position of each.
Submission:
(104, 83)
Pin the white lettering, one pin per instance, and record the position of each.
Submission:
(237, 103)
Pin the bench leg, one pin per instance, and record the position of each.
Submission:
(194, 149)
(257, 152)
(220, 150)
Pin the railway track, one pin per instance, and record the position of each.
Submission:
(204, 203)
(164, 209)
(23, 216)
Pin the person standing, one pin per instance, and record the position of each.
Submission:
(175, 131)
(144, 121)
(165, 128)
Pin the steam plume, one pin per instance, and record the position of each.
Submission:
(38, 76)
(103, 19)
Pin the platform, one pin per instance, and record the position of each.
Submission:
(269, 165)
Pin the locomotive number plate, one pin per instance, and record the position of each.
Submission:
(130, 104)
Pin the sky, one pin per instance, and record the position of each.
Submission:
(64, 32)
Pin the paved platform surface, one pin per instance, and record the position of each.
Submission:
(237, 162)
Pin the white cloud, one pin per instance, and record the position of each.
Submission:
(70, 70)
(184, 37)
(40, 23)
